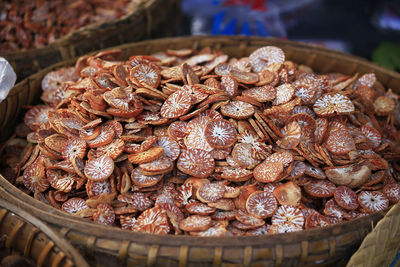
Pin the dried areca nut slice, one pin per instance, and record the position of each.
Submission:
(55, 79)
(284, 228)
(177, 130)
(90, 134)
(288, 214)
(314, 172)
(96, 188)
(320, 130)
(34, 178)
(384, 105)
(105, 137)
(196, 162)
(220, 154)
(373, 201)
(288, 194)
(36, 116)
(340, 142)
(352, 176)
(170, 146)
(209, 88)
(210, 192)
(158, 166)
(223, 215)
(231, 192)
(242, 155)
(346, 198)
(333, 104)
(196, 95)
(176, 105)
(373, 136)
(146, 156)
(306, 89)
(137, 200)
(145, 75)
(392, 192)
(243, 226)
(142, 180)
(127, 222)
(244, 77)
(236, 174)
(197, 139)
(74, 205)
(61, 181)
(286, 158)
(244, 217)
(195, 223)
(174, 214)
(114, 149)
(261, 204)
(55, 142)
(292, 134)
(223, 69)
(64, 165)
(320, 188)
(307, 212)
(222, 204)
(104, 214)
(99, 169)
(284, 93)
(74, 148)
(220, 134)
(333, 210)
(238, 110)
(229, 86)
(261, 94)
(306, 121)
(265, 56)
(214, 231)
(153, 221)
(263, 230)
(199, 209)
(299, 168)
(184, 194)
(200, 121)
(268, 172)
(316, 221)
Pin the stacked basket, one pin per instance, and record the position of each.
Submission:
(105, 246)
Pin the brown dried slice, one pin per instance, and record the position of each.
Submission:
(105, 137)
(196, 162)
(268, 172)
(99, 169)
(220, 134)
(261, 204)
(320, 188)
(231, 192)
(142, 180)
(215, 231)
(305, 89)
(36, 116)
(34, 178)
(127, 222)
(352, 176)
(238, 110)
(145, 75)
(340, 142)
(316, 221)
(287, 194)
(74, 148)
(284, 157)
(284, 94)
(236, 174)
(56, 142)
(196, 95)
(392, 192)
(320, 130)
(177, 129)
(170, 146)
(195, 223)
(286, 214)
(149, 155)
(176, 105)
(96, 188)
(384, 105)
(229, 85)
(74, 205)
(244, 77)
(90, 134)
(242, 155)
(199, 209)
(152, 221)
(137, 200)
(265, 56)
(154, 118)
(104, 214)
(223, 215)
(346, 198)
(373, 136)
(314, 172)
(373, 201)
(333, 104)
(292, 134)
(210, 192)
(220, 154)
(161, 165)
(113, 150)
(261, 94)
(55, 79)
(244, 217)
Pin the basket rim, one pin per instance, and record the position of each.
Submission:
(108, 232)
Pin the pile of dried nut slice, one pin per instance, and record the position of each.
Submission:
(198, 143)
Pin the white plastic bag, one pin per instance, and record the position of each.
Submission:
(7, 78)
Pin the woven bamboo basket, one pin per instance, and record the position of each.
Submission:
(150, 18)
(106, 246)
(23, 232)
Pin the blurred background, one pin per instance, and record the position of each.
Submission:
(366, 28)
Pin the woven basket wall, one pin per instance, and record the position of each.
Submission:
(105, 246)
(151, 18)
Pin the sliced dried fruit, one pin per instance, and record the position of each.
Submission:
(176, 105)
(244, 217)
(152, 221)
(147, 155)
(195, 223)
(74, 205)
(196, 162)
(284, 94)
(392, 192)
(220, 134)
(346, 198)
(333, 104)
(265, 56)
(142, 180)
(99, 169)
(104, 214)
(145, 75)
(287, 194)
(261, 204)
(210, 192)
(373, 201)
(288, 215)
(316, 220)
(238, 110)
(199, 208)
(235, 174)
(261, 94)
(34, 178)
(384, 105)
(373, 136)
(320, 188)
(268, 172)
